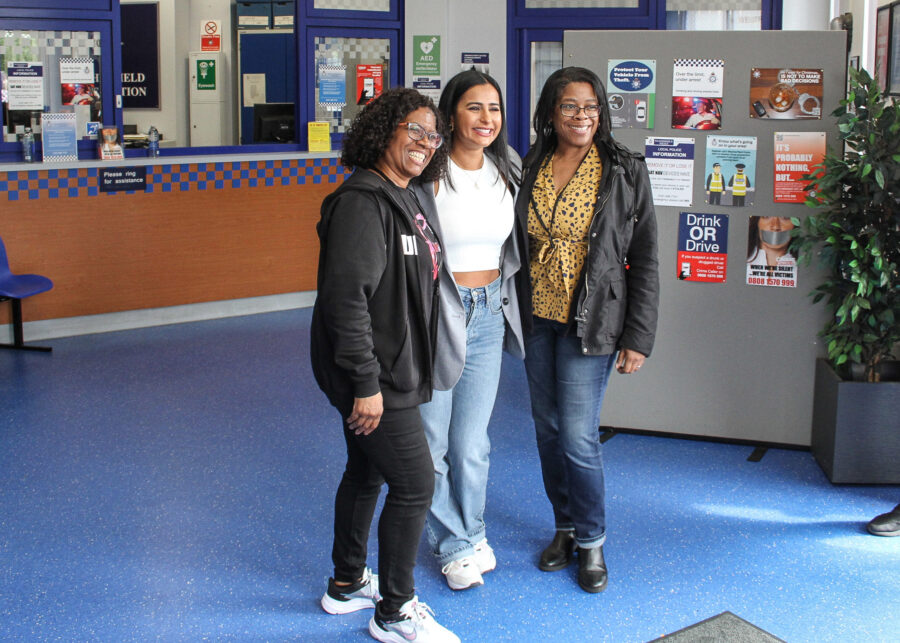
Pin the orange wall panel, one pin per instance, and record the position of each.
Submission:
(184, 240)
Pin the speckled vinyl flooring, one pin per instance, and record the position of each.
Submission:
(176, 483)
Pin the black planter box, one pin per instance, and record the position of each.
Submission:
(856, 429)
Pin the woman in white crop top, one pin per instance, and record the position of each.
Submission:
(472, 210)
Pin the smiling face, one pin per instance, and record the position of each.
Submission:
(575, 131)
(404, 158)
(477, 118)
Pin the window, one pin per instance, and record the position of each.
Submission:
(714, 15)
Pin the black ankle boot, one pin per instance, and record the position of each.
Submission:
(592, 576)
(558, 553)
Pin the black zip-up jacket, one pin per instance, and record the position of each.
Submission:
(375, 318)
(617, 297)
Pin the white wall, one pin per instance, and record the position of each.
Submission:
(464, 26)
(179, 34)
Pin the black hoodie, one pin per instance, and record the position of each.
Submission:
(375, 318)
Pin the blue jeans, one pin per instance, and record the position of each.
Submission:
(456, 424)
(567, 390)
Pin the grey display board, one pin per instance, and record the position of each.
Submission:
(731, 360)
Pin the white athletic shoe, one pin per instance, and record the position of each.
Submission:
(360, 596)
(484, 557)
(462, 573)
(416, 623)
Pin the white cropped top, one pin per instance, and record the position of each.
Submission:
(476, 217)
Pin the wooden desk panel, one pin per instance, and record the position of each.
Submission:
(117, 252)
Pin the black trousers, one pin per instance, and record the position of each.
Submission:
(397, 453)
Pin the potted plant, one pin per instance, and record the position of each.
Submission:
(855, 233)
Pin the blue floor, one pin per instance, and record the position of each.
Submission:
(176, 484)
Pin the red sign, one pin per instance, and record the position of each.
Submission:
(210, 43)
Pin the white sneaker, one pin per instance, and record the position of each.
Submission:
(416, 623)
(462, 573)
(363, 595)
(484, 557)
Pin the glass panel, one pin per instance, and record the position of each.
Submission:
(582, 4)
(713, 5)
(354, 5)
(48, 71)
(349, 67)
(546, 58)
(743, 20)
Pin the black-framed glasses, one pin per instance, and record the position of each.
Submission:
(571, 110)
(417, 133)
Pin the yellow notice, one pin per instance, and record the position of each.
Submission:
(319, 136)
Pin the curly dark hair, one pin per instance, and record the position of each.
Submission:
(371, 131)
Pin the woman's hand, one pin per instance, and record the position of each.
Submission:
(629, 361)
(366, 414)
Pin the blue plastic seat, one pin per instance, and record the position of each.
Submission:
(15, 288)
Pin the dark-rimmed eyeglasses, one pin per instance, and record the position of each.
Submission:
(571, 110)
(417, 133)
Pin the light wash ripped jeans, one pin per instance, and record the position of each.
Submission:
(456, 424)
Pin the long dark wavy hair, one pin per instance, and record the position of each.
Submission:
(450, 97)
(547, 105)
(371, 131)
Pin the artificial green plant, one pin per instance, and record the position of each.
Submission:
(855, 231)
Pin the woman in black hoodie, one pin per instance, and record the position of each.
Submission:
(372, 347)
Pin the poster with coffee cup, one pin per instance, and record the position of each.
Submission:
(786, 94)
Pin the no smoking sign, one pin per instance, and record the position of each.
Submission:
(210, 38)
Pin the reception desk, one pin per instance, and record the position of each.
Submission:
(195, 229)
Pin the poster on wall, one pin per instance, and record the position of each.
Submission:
(730, 170)
(670, 162)
(369, 83)
(796, 154)
(77, 84)
(477, 61)
(332, 86)
(697, 91)
(59, 137)
(254, 86)
(702, 247)
(785, 93)
(771, 261)
(427, 56)
(631, 93)
(25, 85)
(430, 87)
(140, 56)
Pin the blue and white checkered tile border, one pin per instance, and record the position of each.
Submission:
(699, 62)
(182, 177)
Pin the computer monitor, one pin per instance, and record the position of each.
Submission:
(273, 123)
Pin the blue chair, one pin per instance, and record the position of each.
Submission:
(15, 288)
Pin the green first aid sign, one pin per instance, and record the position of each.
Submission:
(426, 56)
(206, 74)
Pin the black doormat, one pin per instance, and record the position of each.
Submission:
(724, 627)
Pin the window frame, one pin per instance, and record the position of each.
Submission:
(109, 62)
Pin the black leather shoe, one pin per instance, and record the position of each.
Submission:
(592, 576)
(886, 524)
(558, 554)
